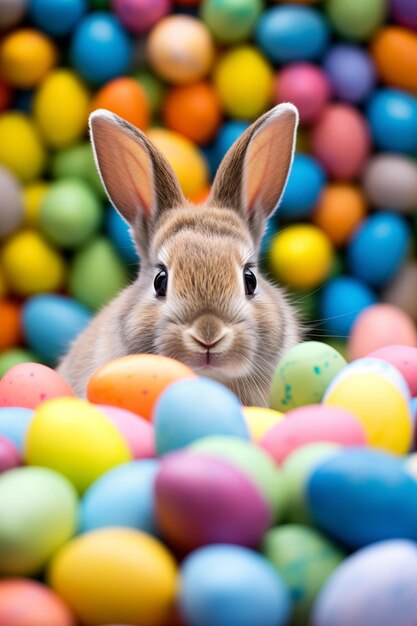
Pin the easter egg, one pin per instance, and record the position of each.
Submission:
(353, 593)
(125, 97)
(70, 213)
(100, 48)
(124, 496)
(379, 326)
(77, 162)
(180, 49)
(9, 455)
(340, 141)
(14, 356)
(229, 132)
(300, 256)
(305, 559)
(306, 86)
(26, 57)
(259, 420)
(297, 469)
(202, 500)
(378, 367)
(29, 384)
(10, 329)
(351, 72)
(400, 292)
(356, 20)
(404, 359)
(30, 265)
(138, 432)
(37, 516)
(14, 422)
(340, 209)
(390, 180)
(212, 595)
(33, 194)
(303, 374)
(119, 232)
(116, 575)
(135, 382)
(191, 409)
(25, 602)
(292, 33)
(21, 150)
(304, 187)
(56, 17)
(97, 274)
(404, 12)
(394, 50)
(74, 438)
(244, 95)
(11, 13)
(313, 423)
(51, 323)
(231, 22)
(140, 15)
(392, 116)
(186, 159)
(155, 89)
(342, 299)
(11, 203)
(356, 495)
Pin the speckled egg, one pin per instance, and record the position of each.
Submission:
(29, 384)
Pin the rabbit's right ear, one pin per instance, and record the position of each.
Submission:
(138, 179)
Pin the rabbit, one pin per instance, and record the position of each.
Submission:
(199, 296)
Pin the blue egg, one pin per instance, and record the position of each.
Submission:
(100, 48)
(225, 138)
(124, 496)
(351, 71)
(225, 585)
(392, 116)
(341, 300)
(14, 424)
(51, 322)
(378, 248)
(119, 232)
(305, 184)
(292, 33)
(360, 496)
(56, 17)
(195, 408)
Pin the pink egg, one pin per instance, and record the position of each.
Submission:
(9, 455)
(341, 141)
(404, 358)
(307, 86)
(29, 384)
(312, 424)
(140, 15)
(379, 326)
(137, 431)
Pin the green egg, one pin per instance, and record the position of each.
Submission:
(296, 470)
(70, 213)
(231, 22)
(357, 19)
(303, 375)
(255, 463)
(15, 356)
(97, 274)
(154, 88)
(38, 514)
(78, 161)
(305, 558)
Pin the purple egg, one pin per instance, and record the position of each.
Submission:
(351, 72)
(201, 500)
(404, 12)
(9, 455)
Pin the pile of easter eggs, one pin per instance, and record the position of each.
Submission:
(193, 74)
(161, 501)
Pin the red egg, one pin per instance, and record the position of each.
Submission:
(29, 384)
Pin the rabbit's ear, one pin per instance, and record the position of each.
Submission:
(252, 176)
(137, 177)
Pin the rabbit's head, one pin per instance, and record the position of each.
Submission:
(199, 296)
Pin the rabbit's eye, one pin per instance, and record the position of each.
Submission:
(250, 281)
(160, 283)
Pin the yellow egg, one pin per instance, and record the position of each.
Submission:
(116, 575)
(74, 438)
(244, 80)
(61, 107)
(21, 150)
(259, 420)
(185, 157)
(381, 408)
(26, 56)
(33, 194)
(3, 286)
(301, 256)
(30, 265)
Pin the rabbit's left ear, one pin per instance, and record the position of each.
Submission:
(252, 176)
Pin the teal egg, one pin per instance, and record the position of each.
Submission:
(231, 22)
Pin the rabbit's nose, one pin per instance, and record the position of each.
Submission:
(207, 344)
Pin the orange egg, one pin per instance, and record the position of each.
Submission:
(394, 50)
(10, 327)
(193, 110)
(125, 97)
(340, 209)
(135, 382)
(201, 196)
